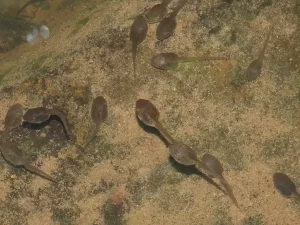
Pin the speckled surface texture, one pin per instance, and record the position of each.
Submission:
(125, 176)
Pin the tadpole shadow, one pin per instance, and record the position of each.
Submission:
(39, 126)
(151, 130)
(189, 170)
(35, 126)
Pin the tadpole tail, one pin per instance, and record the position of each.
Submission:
(262, 53)
(39, 172)
(229, 191)
(202, 58)
(70, 135)
(65, 123)
(166, 135)
(92, 138)
(134, 51)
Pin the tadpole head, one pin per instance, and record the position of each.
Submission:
(212, 163)
(14, 116)
(36, 115)
(138, 30)
(146, 112)
(182, 153)
(99, 109)
(165, 61)
(284, 184)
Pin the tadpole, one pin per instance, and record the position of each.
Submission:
(98, 114)
(167, 25)
(15, 156)
(157, 12)
(13, 116)
(149, 115)
(254, 69)
(184, 155)
(41, 114)
(285, 186)
(138, 32)
(170, 60)
(215, 166)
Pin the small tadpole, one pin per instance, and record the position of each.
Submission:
(254, 69)
(99, 115)
(184, 155)
(157, 12)
(138, 33)
(149, 115)
(167, 25)
(170, 60)
(15, 156)
(12, 119)
(215, 166)
(285, 186)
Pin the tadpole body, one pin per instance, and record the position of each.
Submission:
(170, 60)
(167, 25)
(157, 12)
(138, 33)
(285, 186)
(215, 166)
(98, 114)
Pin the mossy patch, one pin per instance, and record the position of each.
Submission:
(239, 78)
(221, 217)
(122, 89)
(113, 213)
(254, 220)
(282, 145)
(172, 200)
(163, 174)
(66, 215)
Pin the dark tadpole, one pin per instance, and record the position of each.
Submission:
(170, 60)
(14, 116)
(184, 155)
(167, 25)
(138, 32)
(12, 119)
(254, 69)
(285, 186)
(215, 165)
(157, 12)
(149, 115)
(98, 114)
(41, 114)
(15, 156)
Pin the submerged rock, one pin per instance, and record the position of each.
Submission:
(15, 31)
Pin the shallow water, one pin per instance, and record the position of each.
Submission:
(125, 176)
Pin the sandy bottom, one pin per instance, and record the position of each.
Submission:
(126, 175)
